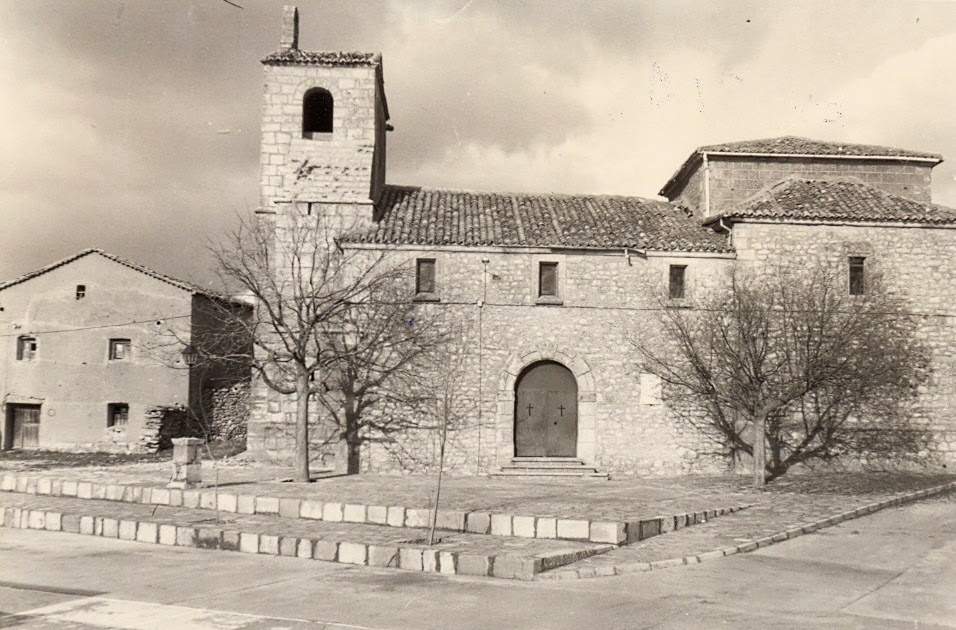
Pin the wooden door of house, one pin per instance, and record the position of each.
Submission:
(546, 412)
(26, 426)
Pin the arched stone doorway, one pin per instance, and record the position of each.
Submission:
(546, 411)
(515, 366)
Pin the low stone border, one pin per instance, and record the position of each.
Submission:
(447, 561)
(750, 545)
(495, 524)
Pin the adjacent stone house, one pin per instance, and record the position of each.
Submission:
(551, 286)
(92, 357)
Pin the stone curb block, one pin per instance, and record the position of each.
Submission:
(632, 567)
(392, 556)
(526, 526)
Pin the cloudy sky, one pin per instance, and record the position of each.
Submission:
(133, 126)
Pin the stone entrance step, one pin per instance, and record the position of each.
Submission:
(549, 467)
(348, 543)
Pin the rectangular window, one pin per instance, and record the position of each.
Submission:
(548, 279)
(26, 348)
(857, 287)
(80, 291)
(425, 276)
(119, 349)
(117, 414)
(677, 288)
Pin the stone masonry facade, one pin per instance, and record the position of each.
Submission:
(614, 259)
(729, 180)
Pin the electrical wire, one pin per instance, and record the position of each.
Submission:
(588, 307)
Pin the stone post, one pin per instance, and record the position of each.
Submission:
(290, 29)
(187, 467)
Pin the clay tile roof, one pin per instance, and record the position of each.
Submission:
(418, 216)
(323, 58)
(784, 146)
(843, 200)
(185, 286)
(794, 145)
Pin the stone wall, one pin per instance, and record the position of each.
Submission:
(347, 165)
(732, 180)
(163, 423)
(229, 410)
(915, 263)
(691, 194)
(607, 299)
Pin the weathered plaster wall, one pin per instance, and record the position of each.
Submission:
(72, 375)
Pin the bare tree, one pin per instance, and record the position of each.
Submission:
(306, 289)
(446, 409)
(382, 361)
(789, 364)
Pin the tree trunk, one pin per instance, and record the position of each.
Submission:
(760, 452)
(441, 468)
(302, 428)
(354, 448)
(353, 443)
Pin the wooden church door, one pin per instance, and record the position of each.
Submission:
(546, 412)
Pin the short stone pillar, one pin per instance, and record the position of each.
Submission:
(187, 467)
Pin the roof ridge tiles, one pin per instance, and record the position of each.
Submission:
(519, 194)
(415, 215)
(838, 198)
(180, 284)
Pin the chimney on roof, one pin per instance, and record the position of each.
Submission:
(290, 28)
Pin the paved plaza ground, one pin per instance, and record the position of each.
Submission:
(894, 570)
(787, 503)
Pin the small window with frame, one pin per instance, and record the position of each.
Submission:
(425, 286)
(549, 289)
(677, 282)
(117, 415)
(80, 291)
(119, 349)
(857, 268)
(27, 348)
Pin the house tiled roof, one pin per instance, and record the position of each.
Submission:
(842, 200)
(796, 146)
(185, 286)
(323, 58)
(418, 216)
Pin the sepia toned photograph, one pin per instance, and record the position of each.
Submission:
(467, 314)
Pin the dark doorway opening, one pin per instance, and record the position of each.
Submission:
(22, 426)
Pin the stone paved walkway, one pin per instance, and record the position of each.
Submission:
(782, 511)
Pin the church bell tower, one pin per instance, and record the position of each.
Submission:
(324, 119)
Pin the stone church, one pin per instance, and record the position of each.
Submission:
(551, 285)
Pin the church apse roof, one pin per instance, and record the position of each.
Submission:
(795, 145)
(803, 199)
(418, 216)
